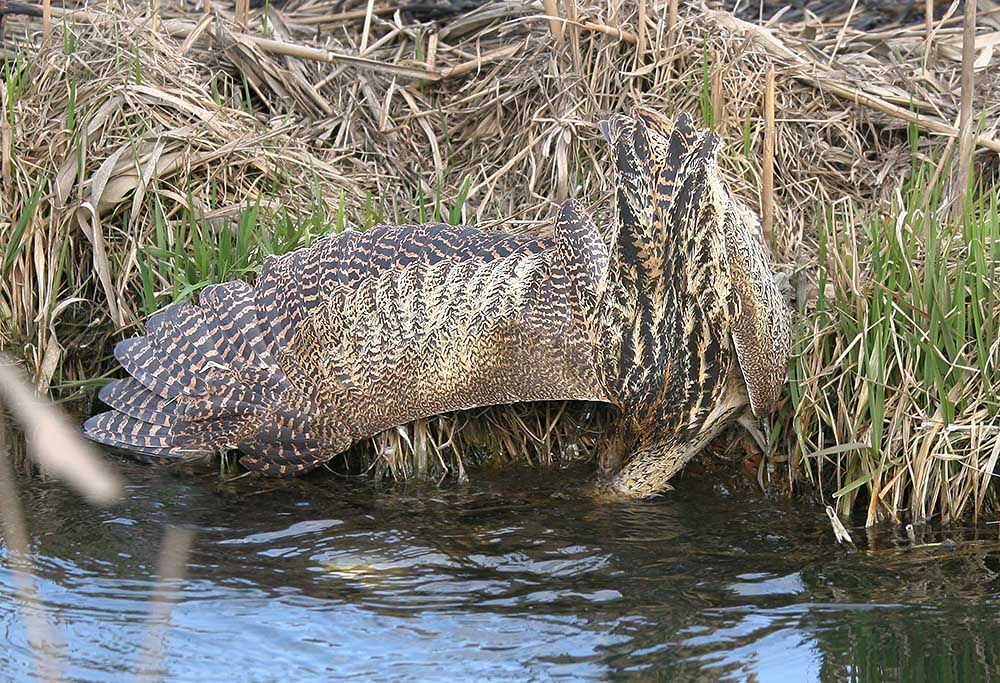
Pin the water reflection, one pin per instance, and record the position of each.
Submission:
(522, 577)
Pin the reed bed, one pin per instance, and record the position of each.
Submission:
(149, 152)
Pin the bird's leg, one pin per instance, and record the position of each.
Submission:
(759, 430)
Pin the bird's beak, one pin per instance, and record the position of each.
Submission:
(605, 129)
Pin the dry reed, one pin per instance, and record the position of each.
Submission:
(117, 135)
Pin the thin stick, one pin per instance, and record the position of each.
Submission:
(929, 38)
(716, 94)
(473, 64)
(242, 11)
(574, 30)
(55, 443)
(432, 50)
(966, 143)
(326, 20)
(369, 11)
(555, 23)
(641, 47)
(182, 29)
(672, 31)
(154, 25)
(843, 30)
(199, 28)
(767, 171)
(46, 18)
(6, 140)
(618, 33)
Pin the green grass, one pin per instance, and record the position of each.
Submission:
(187, 254)
(895, 384)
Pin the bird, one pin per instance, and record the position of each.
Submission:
(675, 320)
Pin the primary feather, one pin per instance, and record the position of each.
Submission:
(676, 322)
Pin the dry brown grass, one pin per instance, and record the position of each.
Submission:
(199, 118)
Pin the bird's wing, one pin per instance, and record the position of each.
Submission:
(358, 333)
(499, 321)
(762, 322)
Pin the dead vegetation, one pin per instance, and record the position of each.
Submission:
(132, 133)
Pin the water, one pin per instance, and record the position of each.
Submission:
(518, 576)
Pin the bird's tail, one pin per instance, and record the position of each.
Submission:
(203, 379)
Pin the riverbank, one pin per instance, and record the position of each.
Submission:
(148, 154)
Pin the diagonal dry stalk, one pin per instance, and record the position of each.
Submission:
(59, 450)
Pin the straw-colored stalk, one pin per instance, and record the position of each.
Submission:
(965, 109)
(767, 165)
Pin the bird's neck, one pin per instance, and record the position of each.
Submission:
(629, 320)
(642, 458)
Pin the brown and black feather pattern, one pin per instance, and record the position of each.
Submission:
(677, 323)
(361, 332)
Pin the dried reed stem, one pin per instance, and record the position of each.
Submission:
(242, 14)
(618, 33)
(328, 20)
(965, 148)
(767, 166)
(6, 140)
(843, 30)
(716, 97)
(641, 21)
(46, 18)
(57, 446)
(432, 47)
(572, 19)
(369, 11)
(555, 21)
(474, 64)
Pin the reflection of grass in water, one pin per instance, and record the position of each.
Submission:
(896, 380)
(58, 448)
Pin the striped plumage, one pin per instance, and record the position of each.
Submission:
(677, 323)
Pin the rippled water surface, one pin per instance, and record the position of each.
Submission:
(518, 576)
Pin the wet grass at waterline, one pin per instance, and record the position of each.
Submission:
(895, 384)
